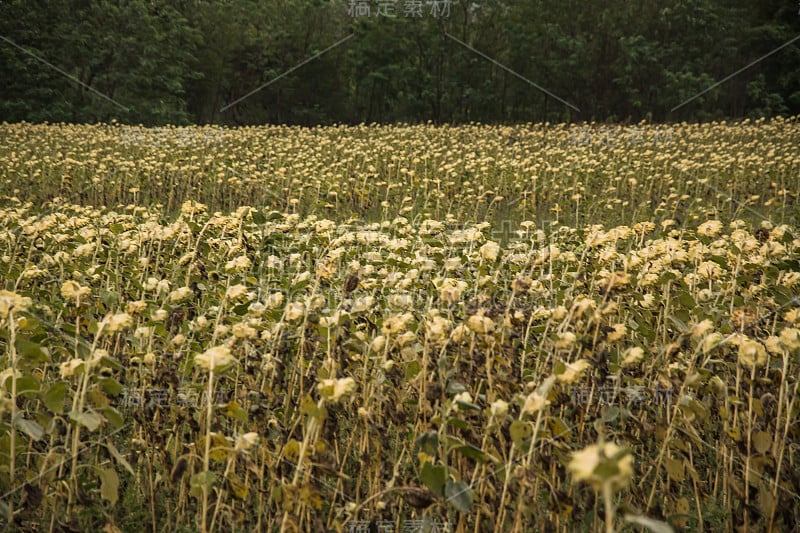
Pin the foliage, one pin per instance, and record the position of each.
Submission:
(167, 62)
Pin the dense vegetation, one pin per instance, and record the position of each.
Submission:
(179, 62)
(529, 328)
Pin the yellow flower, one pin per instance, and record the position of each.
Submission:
(215, 358)
(400, 301)
(294, 311)
(326, 270)
(574, 371)
(790, 337)
(238, 264)
(700, 329)
(178, 339)
(499, 408)
(537, 400)
(117, 322)
(361, 304)
(256, 309)
(559, 313)
(181, 294)
(460, 333)
(11, 301)
(72, 290)
(792, 316)
(709, 270)
(438, 329)
(565, 340)
(243, 330)
(395, 325)
(334, 389)
(275, 300)
(584, 463)
(246, 441)
(136, 306)
(617, 280)
(378, 343)
(711, 341)
(489, 251)
(480, 324)
(236, 292)
(450, 290)
(190, 208)
(773, 344)
(710, 228)
(632, 356)
(618, 470)
(69, 368)
(617, 333)
(752, 353)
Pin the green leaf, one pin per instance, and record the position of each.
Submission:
(235, 411)
(675, 469)
(31, 352)
(258, 217)
(90, 419)
(119, 457)
(203, 480)
(110, 386)
(606, 469)
(520, 432)
(109, 298)
(558, 429)
(454, 387)
(33, 430)
(472, 452)
(434, 477)
(464, 406)
(309, 408)
(686, 300)
(610, 413)
(54, 397)
(113, 416)
(428, 442)
(109, 485)
(762, 441)
(27, 385)
(108, 362)
(459, 495)
(237, 486)
(457, 422)
(411, 370)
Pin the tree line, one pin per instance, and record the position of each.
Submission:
(309, 62)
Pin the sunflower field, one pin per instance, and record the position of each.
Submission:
(473, 328)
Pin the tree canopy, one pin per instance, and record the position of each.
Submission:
(361, 61)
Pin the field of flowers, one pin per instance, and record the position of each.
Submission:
(400, 328)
